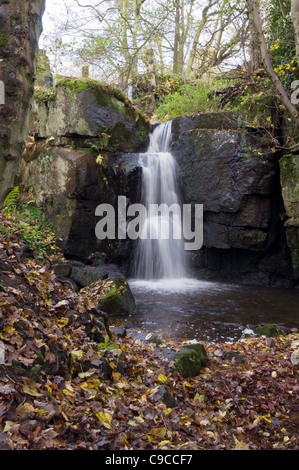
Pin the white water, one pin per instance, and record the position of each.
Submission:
(160, 258)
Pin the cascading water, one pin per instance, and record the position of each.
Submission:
(159, 253)
(167, 300)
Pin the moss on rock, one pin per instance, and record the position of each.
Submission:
(89, 112)
(119, 300)
(190, 360)
(269, 330)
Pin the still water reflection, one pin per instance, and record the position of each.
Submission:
(193, 309)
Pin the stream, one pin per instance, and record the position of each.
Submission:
(170, 304)
(189, 309)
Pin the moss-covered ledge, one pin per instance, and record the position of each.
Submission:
(90, 111)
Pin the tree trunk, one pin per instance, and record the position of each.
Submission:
(295, 19)
(199, 30)
(20, 28)
(176, 64)
(256, 60)
(268, 65)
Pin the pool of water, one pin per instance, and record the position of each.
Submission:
(211, 311)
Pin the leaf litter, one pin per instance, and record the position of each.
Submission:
(66, 385)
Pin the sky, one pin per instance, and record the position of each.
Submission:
(54, 8)
(55, 14)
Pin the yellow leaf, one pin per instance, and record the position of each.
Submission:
(188, 385)
(67, 392)
(159, 433)
(239, 445)
(105, 419)
(116, 376)
(162, 378)
(30, 388)
(163, 443)
(9, 329)
(62, 322)
(131, 422)
(200, 398)
(77, 353)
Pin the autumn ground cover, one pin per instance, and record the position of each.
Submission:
(67, 385)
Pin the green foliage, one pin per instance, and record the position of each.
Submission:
(105, 346)
(4, 41)
(282, 42)
(33, 229)
(269, 330)
(11, 199)
(189, 99)
(99, 89)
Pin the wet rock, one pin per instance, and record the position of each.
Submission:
(167, 397)
(83, 277)
(119, 331)
(232, 356)
(234, 173)
(62, 270)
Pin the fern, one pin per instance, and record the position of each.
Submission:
(12, 199)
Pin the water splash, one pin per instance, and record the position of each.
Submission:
(157, 255)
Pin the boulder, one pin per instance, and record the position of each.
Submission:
(190, 360)
(119, 300)
(269, 330)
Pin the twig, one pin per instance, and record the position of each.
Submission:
(105, 318)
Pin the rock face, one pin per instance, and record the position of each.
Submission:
(289, 175)
(86, 153)
(81, 129)
(235, 175)
(20, 27)
(90, 113)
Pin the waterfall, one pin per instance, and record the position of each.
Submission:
(159, 253)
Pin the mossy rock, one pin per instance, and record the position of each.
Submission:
(190, 360)
(269, 330)
(119, 300)
(229, 355)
